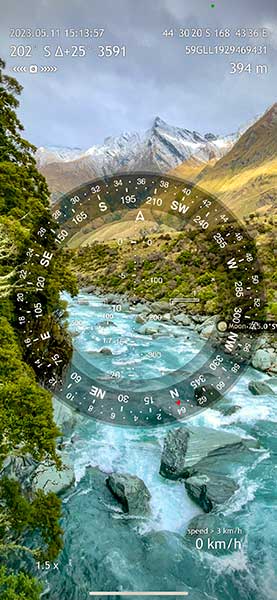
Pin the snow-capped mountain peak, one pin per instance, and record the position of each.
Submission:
(161, 148)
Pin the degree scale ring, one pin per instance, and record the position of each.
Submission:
(223, 357)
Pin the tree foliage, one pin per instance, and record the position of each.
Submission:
(26, 412)
(40, 514)
(18, 586)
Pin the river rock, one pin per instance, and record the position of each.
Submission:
(206, 332)
(265, 360)
(210, 490)
(174, 452)
(150, 329)
(131, 492)
(199, 318)
(140, 308)
(34, 475)
(208, 322)
(182, 319)
(259, 388)
(106, 351)
(49, 479)
(112, 298)
(106, 324)
(206, 328)
(134, 300)
(160, 307)
(227, 411)
(140, 319)
(267, 340)
(188, 450)
(166, 317)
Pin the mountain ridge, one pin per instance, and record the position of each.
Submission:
(161, 148)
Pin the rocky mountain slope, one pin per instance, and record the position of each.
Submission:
(162, 148)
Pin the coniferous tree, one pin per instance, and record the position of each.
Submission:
(26, 412)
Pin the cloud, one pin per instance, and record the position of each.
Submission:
(272, 29)
(90, 98)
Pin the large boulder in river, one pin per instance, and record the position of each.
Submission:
(131, 492)
(207, 331)
(259, 388)
(265, 360)
(174, 453)
(210, 490)
(188, 450)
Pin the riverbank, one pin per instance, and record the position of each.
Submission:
(264, 356)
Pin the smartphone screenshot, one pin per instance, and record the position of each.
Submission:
(138, 299)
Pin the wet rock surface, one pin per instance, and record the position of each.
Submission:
(265, 356)
(185, 447)
(229, 410)
(131, 492)
(259, 388)
(116, 557)
(210, 490)
(265, 360)
(205, 458)
(174, 453)
(106, 351)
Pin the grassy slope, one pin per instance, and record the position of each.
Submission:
(188, 264)
(171, 256)
(246, 177)
(112, 231)
(191, 169)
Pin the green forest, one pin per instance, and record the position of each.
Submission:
(177, 264)
(26, 413)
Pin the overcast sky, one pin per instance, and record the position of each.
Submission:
(90, 98)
